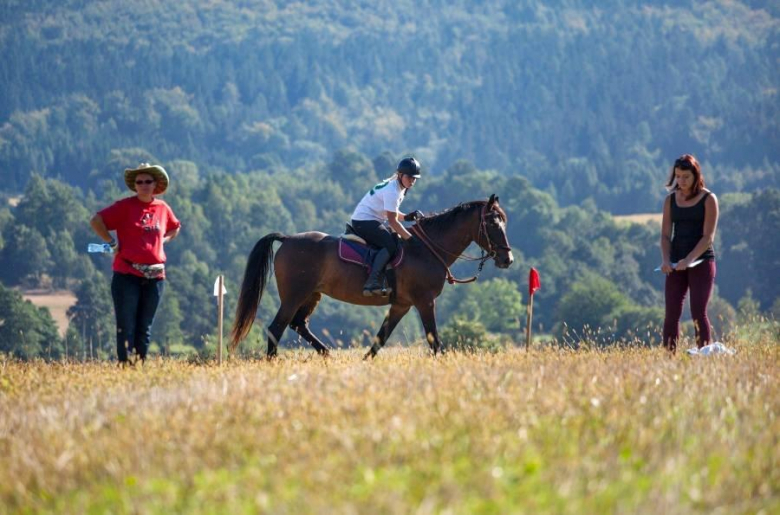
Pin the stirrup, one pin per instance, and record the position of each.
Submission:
(380, 291)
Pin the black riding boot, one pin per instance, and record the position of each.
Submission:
(373, 285)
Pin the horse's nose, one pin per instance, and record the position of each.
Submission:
(509, 260)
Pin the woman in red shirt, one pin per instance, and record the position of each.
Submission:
(143, 224)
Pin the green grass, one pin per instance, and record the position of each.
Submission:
(546, 431)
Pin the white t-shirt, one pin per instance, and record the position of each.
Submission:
(385, 196)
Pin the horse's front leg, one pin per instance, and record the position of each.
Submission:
(394, 316)
(427, 310)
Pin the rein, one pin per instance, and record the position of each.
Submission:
(418, 231)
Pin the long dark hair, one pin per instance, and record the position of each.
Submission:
(689, 163)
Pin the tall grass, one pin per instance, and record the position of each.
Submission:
(628, 430)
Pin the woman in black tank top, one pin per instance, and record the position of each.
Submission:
(690, 218)
(688, 229)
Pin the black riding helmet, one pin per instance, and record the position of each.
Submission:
(409, 166)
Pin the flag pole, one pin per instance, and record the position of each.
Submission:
(528, 323)
(533, 284)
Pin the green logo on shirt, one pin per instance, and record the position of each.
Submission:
(379, 187)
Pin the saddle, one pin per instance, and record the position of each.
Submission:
(354, 249)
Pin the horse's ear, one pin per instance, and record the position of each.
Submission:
(493, 199)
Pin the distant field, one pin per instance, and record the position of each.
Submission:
(546, 431)
(57, 302)
(641, 218)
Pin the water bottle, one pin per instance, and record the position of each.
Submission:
(100, 248)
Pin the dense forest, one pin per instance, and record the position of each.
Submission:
(586, 99)
(277, 116)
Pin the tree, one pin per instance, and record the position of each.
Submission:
(589, 305)
(66, 262)
(26, 331)
(93, 316)
(192, 281)
(466, 335)
(25, 256)
(349, 168)
(496, 304)
(722, 316)
(167, 322)
(6, 218)
(748, 308)
(638, 324)
(49, 205)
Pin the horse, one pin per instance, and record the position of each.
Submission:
(307, 266)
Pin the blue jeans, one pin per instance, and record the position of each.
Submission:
(135, 304)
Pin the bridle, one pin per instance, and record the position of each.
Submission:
(492, 246)
(418, 231)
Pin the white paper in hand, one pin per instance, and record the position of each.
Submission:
(693, 264)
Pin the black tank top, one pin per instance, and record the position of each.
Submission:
(687, 229)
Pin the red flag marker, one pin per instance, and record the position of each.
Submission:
(534, 283)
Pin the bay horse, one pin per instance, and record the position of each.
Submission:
(307, 266)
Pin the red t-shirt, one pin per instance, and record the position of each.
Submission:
(140, 228)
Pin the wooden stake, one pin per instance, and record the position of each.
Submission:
(528, 323)
(220, 299)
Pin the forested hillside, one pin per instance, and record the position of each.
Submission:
(586, 99)
(277, 116)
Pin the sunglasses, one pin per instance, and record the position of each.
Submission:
(145, 181)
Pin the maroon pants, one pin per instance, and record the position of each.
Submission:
(700, 280)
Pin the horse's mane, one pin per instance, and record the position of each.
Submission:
(444, 219)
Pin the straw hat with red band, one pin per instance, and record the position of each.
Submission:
(156, 171)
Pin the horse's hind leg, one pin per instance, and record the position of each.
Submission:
(300, 323)
(394, 316)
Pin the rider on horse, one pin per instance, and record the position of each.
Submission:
(381, 204)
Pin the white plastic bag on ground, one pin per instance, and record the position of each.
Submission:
(711, 349)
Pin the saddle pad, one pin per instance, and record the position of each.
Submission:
(359, 254)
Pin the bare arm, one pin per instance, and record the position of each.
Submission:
(710, 225)
(171, 235)
(100, 228)
(392, 219)
(666, 236)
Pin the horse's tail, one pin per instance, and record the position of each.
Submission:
(255, 276)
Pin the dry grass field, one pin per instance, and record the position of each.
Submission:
(546, 431)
